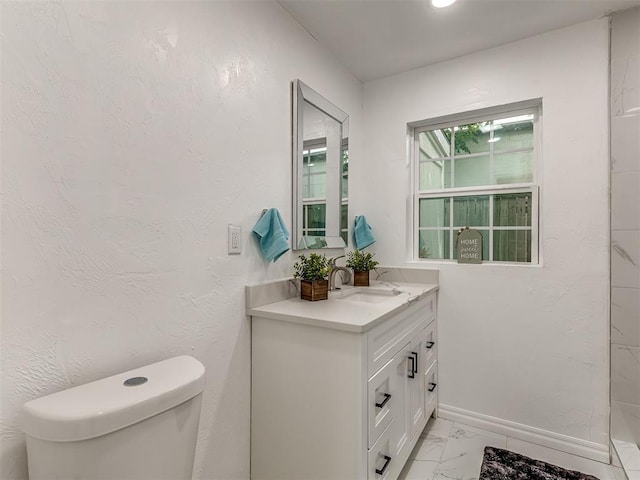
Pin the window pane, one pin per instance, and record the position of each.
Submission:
(472, 171)
(317, 162)
(345, 173)
(314, 216)
(435, 144)
(435, 175)
(344, 223)
(434, 212)
(434, 244)
(513, 133)
(471, 211)
(317, 186)
(512, 245)
(485, 245)
(471, 138)
(512, 209)
(314, 174)
(515, 167)
(344, 217)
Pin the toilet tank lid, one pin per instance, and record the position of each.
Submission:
(112, 403)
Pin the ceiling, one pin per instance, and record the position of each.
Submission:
(378, 38)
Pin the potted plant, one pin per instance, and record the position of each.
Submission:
(312, 272)
(361, 262)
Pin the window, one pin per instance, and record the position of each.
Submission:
(478, 171)
(314, 189)
(314, 173)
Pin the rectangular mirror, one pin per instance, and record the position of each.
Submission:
(320, 171)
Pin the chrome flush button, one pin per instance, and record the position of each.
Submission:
(135, 381)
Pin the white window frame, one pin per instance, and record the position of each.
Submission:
(528, 107)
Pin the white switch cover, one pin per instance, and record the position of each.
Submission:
(235, 239)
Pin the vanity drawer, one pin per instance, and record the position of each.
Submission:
(431, 344)
(385, 340)
(380, 401)
(380, 461)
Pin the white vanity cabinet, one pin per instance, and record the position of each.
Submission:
(330, 403)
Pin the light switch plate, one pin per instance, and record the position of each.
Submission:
(235, 239)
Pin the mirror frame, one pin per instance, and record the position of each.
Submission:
(303, 93)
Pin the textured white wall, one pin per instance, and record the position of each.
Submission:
(132, 133)
(524, 344)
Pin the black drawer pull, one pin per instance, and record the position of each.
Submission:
(413, 367)
(387, 461)
(387, 397)
(415, 364)
(433, 386)
(430, 344)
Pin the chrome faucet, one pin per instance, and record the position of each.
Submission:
(332, 261)
(334, 270)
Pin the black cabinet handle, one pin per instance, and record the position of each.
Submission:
(387, 460)
(430, 344)
(413, 366)
(387, 397)
(433, 386)
(415, 354)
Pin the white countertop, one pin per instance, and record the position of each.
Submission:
(340, 313)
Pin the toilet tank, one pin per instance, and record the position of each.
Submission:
(141, 424)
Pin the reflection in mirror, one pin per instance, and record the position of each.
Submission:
(320, 171)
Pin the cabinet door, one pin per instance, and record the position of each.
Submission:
(400, 428)
(431, 386)
(417, 360)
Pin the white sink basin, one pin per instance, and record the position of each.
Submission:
(366, 295)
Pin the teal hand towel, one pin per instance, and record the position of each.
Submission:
(363, 233)
(272, 235)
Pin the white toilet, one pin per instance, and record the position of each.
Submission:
(141, 424)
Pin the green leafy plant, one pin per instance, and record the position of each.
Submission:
(361, 261)
(466, 133)
(313, 267)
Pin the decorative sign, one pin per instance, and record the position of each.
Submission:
(469, 246)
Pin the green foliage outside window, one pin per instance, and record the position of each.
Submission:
(468, 133)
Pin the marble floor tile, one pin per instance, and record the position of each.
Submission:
(625, 201)
(477, 431)
(625, 311)
(625, 258)
(418, 470)
(429, 448)
(438, 427)
(565, 460)
(633, 475)
(454, 451)
(625, 426)
(463, 453)
(625, 143)
(625, 364)
(619, 474)
(628, 454)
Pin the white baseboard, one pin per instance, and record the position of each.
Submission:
(564, 443)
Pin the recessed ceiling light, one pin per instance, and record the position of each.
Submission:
(441, 3)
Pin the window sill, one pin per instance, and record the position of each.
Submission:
(432, 263)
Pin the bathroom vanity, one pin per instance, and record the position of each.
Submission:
(343, 388)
